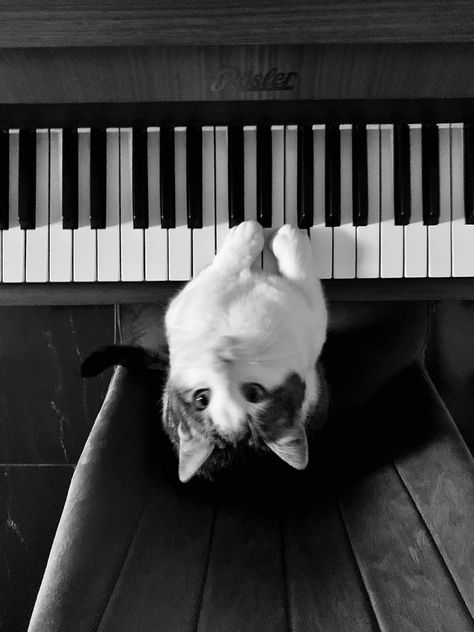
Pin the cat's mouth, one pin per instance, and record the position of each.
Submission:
(249, 436)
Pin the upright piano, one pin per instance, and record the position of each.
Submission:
(132, 139)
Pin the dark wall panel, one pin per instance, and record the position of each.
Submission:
(31, 501)
(46, 408)
(450, 361)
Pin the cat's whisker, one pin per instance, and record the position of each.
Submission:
(265, 359)
(254, 427)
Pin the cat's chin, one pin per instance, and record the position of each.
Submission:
(238, 462)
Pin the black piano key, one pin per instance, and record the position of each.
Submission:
(194, 176)
(360, 200)
(401, 174)
(333, 175)
(430, 173)
(235, 153)
(264, 175)
(167, 178)
(140, 177)
(70, 178)
(4, 179)
(98, 177)
(469, 173)
(27, 179)
(305, 176)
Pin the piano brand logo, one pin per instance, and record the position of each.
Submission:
(251, 81)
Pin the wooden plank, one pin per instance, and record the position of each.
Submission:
(245, 586)
(325, 589)
(406, 579)
(440, 479)
(162, 579)
(48, 24)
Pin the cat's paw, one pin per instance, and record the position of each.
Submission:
(290, 242)
(292, 250)
(243, 244)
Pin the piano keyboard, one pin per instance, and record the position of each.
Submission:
(155, 204)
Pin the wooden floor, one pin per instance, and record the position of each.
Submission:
(386, 545)
(375, 535)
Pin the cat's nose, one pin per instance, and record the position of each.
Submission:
(237, 431)
(229, 417)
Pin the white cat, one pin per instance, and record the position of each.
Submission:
(243, 347)
(243, 350)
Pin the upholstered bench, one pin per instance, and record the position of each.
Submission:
(376, 534)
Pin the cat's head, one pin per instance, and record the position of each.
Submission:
(221, 409)
(214, 411)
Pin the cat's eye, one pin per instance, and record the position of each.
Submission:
(201, 398)
(253, 393)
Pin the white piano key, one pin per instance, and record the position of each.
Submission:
(439, 236)
(179, 238)
(278, 195)
(291, 174)
(14, 239)
(37, 240)
(345, 235)
(320, 234)
(85, 238)
(204, 243)
(391, 236)
(60, 240)
(416, 233)
(250, 172)
(132, 240)
(222, 186)
(462, 233)
(368, 237)
(108, 239)
(156, 237)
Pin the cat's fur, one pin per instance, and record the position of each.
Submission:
(243, 350)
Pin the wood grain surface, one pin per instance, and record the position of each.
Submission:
(226, 73)
(114, 22)
(437, 479)
(406, 579)
(320, 561)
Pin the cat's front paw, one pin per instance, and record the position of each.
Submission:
(243, 244)
(289, 242)
(292, 250)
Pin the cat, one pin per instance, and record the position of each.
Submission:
(243, 344)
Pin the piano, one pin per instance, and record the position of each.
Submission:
(129, 148)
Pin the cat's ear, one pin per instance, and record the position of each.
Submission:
(135, 358)
(194, 450)
(289, 442)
